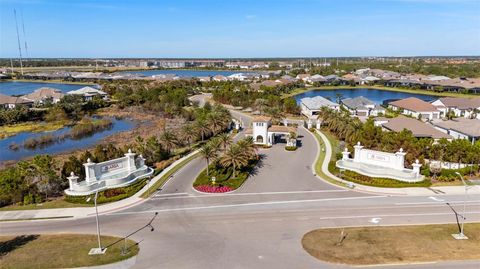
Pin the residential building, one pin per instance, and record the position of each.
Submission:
(415, 107)
(460, 128)
(219, 78)
(361, 106)
(418, 128)
(41, 95)
(311, 106)
(461, 107)
(89, 93)
(264, 133)
(9, 102)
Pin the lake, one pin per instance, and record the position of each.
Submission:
(378, 96)
(63, 146)
(186, 73)
(22, 88)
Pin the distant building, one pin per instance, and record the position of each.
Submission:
(41, 95)
(361, 106)
(311, 106)
(219, 78)
(416, 108)
(418, 128)
(89, 93)
(460, 128)
(461, 107)
(10, 102)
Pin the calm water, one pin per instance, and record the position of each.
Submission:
(21, 88)
(186, 73)
(62, 146)
(378, 96)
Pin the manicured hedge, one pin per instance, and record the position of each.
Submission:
(108, 196)
(373, 181)
(290, 148)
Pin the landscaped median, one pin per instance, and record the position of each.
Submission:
(61, 251)
(395, 244)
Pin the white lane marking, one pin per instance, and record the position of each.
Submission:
(375, 220)
(170, 194)
(397, 215)
(436, 203)
(249, 204)
(158, 197)
(436, 199)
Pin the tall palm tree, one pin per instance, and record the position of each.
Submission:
(215, 121)
(189, 134)
(235, 157)
(203, 128)
(168, 140)
(225, 140)
(209, 153)
(248, 147)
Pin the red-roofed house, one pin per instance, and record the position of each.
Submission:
(415, 107)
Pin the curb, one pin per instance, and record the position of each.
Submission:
(125, 264)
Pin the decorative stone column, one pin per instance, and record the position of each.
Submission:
(130, 160)
(72, 181)
(416, 167)
(346, 154)
(319, 122)
(90, 171)
(358, 150)
(400, 163)
(141, 161)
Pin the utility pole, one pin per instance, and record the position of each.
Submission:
(18, 39)
(24, 35)
(11, 65)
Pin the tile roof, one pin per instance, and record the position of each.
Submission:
(7, 99)
(460, 102)
(281, 129)
(414, 104)
(261, 119)
(44, 93)
(87, 91)
(470, 127)
(418, 128)
(357, 102)
(317, 102)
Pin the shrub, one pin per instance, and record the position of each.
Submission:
(213, 189)
(290, 148)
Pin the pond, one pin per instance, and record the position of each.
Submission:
(65, 145)
(22, 88)
(377, 96)
(186, 73)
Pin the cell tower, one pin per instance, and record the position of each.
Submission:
(18, 39)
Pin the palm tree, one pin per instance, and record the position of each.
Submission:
(215, 121)
(235, 157)
(248, 146)
(209, 153)
(225, 140)
(189, 134)
(203, 128)
(168, 140)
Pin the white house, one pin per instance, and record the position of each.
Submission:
(238, 76)
(89, 93)
(361, 106)
(460, 128)
(461, 107)
(39, 96)
(311, 106)
(264, 133)
(415, 107)
(10, 102)
(219, 78)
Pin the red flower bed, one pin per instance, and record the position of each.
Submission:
(213, 189)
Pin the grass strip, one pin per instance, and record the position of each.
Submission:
(167, 175)
(392, 244)
(59, 251)
(45, 218)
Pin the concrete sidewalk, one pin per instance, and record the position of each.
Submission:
(414, 191)
(81, 212)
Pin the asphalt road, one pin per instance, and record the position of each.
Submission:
(261, 224)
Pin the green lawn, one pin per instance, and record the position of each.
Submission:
(321, 159)
(393, 244)
(224, 176)
(59, 251)
(58, 203)
(424, 92)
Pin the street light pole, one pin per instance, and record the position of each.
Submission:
(461, 235)
(99, 250)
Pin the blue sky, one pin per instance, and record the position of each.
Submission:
(242, 28)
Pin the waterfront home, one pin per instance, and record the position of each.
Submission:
(219, 78)
(45, 94)
(415, 107)
(10, 102)
(361, 106)
(89, 93)
(264, 133)
(311, 106)
(316, 79)
(460, 106)
(460, 128)
(238, 76)
(418, 128)
(204, 79)
(303, 77)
